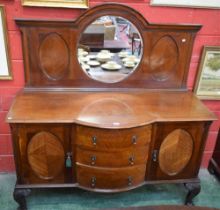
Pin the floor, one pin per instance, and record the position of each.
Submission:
(76, 199)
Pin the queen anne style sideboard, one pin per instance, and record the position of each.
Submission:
(71, 129)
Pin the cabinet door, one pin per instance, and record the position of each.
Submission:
(40, 153)
(176, 150)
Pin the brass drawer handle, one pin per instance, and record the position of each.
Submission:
(130, 180)
(93, 159)
(131, 160)
(134, 139)
(93, 181)
(94, 140)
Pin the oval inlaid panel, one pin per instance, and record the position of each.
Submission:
(164, 58)
(54, 56)
(175, 152)
(45, 155)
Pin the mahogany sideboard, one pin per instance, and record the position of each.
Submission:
(70, 130)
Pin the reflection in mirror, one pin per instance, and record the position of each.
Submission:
(110, 49)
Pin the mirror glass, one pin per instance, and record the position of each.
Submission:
(110, 49)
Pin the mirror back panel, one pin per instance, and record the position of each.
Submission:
(50, 49)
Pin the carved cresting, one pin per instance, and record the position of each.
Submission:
(54, 56)
(45, 155)
(164, 58)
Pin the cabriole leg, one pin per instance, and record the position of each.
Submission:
(193, 191)
(19, 197)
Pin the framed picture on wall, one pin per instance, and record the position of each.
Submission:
(57, 3)
(207, 84)
(212, 4)
(5, 69)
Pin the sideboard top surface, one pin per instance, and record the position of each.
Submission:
(107, 109)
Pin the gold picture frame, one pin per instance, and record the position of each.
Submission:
(207, 84)
(5, 66)
(57, 3)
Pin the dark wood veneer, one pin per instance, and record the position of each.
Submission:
(71, 131)
(155, 70)
(196, 130)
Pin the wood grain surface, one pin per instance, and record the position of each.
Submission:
(165, 62)
(89, 108)
(45, 155)
(110, 178)
(112, 139)
(175, 151)
(119, 158)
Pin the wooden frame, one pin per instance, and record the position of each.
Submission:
(57, 3)
(170, 74)
(208, 77)
(5, 67)
(212, 4)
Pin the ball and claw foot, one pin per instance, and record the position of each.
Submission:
(193, 191)
(19, 197)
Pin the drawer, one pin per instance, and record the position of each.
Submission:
(106, 139)
(125, 157)
(110, 178)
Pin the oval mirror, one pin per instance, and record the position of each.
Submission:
(110, 49)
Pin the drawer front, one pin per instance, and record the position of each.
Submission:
(105, 139)
(121, 158)
(106, 178)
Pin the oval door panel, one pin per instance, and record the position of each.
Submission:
(175, 152)
(164, 58)
(54, 56)
(45, 155)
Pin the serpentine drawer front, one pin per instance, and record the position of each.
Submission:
(105, 139)
(97, 178)
(113, 158)
(99, 153)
